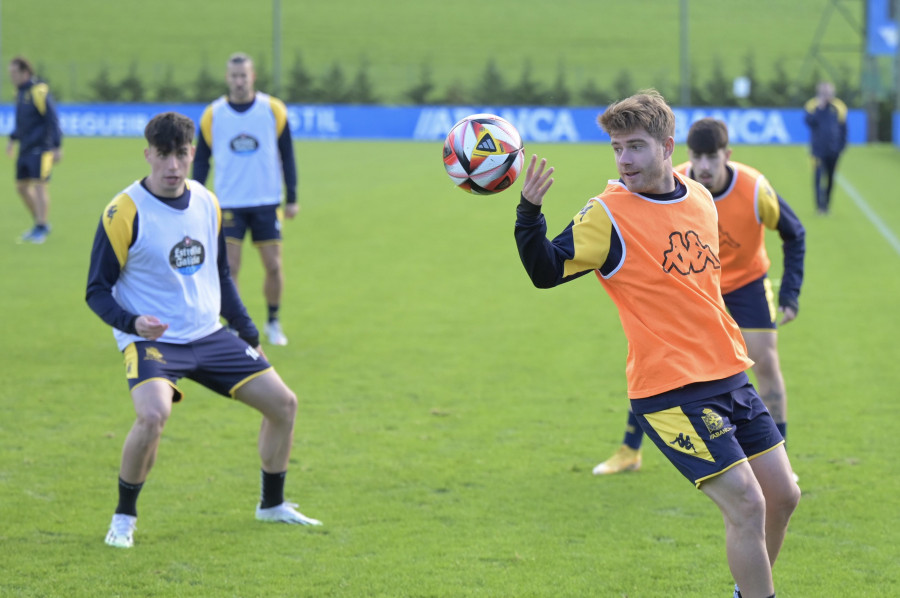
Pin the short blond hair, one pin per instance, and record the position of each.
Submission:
(646, 110)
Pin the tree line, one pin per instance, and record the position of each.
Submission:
(338, 84)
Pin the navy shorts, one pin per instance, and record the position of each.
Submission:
(34, 166)
(753, 305)
(221, 362)
(708, 436)
(264, 223)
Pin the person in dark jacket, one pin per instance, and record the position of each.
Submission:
(826, 117)
(39, 137)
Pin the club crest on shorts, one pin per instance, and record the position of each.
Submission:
(714, 423)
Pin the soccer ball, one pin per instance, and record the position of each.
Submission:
(483, 154)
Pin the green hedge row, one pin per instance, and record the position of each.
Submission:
(339, 85)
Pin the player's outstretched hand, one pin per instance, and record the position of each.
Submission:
(149, 327)
(788, 313)
(537, 181)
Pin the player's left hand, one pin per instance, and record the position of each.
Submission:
(537, 181)
(57, 155)
(788, 314)
(291, 210)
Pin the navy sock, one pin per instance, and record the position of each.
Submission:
(273, 312)
(128, 495)
(634, 435)
(272, 489)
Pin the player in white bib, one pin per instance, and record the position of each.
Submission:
(247, 134)
(160, 278)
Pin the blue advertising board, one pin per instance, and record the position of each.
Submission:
(758, 126)
(881, 28)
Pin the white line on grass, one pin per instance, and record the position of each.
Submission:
(869, 212)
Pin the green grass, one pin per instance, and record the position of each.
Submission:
(450, 413)
(591, 40)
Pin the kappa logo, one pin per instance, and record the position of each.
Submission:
(111, 212)
(725, 238)
(688, 254)
(684, 442)
(153, 354)
(584, 210)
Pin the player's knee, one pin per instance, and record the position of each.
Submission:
(748, 507)
(787, 500)
(153, 421)
(287, 405)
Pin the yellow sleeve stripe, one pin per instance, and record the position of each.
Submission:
(841, 108)
(218, 211)
(118, 222)
(280, 112)
(591, 234)
(39, 96)
(206, 125)
(768, 211)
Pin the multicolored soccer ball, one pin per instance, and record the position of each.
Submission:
(483, 154)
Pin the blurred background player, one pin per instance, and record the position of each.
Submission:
(247, 135)
(159, 277)
(826, 117)
(651, 237)
(746, 204)
(40, 138)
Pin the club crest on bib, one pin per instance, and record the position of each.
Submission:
(244, 144)
(187, 256)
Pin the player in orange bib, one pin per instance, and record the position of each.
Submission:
(747, 205)
(652, 239)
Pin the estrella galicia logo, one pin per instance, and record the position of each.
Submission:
(687, 254)
(187, 256)
(244, 144)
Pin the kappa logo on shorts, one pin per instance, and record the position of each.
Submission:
(715, 424)
(688, 254)
(153, 354)
(684, 442)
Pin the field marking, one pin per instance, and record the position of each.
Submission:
(870, 213)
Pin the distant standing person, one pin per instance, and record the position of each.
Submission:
(247, 134)
(39, 137)
(826, 117)
(159, 277)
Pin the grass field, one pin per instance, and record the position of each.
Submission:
(590, 40)
(450, 414)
